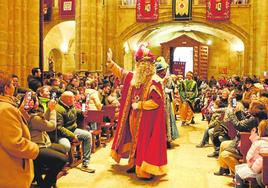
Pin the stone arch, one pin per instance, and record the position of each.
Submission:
(62, 38)
(198, 18)
(229, 28)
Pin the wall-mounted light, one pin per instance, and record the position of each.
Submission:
(209, 42)
(64, 47)
(126, 47)
(238, 46)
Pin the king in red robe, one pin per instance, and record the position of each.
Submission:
(140, 134)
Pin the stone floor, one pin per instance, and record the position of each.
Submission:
(188, 167)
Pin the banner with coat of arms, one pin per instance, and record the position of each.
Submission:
(218, 10)
(182, 9)
(47, 10)
(67, 8)
(147, 10)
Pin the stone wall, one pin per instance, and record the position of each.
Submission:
(19, 37)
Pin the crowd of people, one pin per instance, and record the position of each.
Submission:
(42, 121)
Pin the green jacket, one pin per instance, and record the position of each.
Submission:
(44, 102)
(188, 90)
(66, 120)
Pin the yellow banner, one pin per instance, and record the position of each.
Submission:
(182, 7)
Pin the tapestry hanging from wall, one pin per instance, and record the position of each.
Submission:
(147, 10)
(67, 8)
(218, 10)
(47, 10)
(182, 9)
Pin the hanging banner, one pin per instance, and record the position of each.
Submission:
(67, 8)
(147, 10)
(178, 68)
(47, 10)
(182, 9)
(218, 10)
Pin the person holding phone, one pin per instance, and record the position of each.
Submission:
(16, 148)
(51, 155)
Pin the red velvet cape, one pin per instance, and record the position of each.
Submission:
(151, 136)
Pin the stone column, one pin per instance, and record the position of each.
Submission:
(260, 51)
(19, 37)
(89, 35)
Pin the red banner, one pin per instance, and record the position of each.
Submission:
(147, 10)
(218, 10)
(178, 68)
(67, 8)
(47, 10)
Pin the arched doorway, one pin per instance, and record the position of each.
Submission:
(59, 43)
(227, 51)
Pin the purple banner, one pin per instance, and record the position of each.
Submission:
(178, 68)
(67, 8)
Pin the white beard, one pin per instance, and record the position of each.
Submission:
(141, 75)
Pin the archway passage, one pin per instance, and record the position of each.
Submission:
(226, 50)
(59, 46)
(185, 56)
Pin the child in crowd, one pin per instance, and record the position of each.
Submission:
(254, 164)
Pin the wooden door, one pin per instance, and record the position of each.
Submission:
(203, 61)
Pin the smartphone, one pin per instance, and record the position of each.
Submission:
(234, 102)
(28, 100)
(83, 107)
(53, 96)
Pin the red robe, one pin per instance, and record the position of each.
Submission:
(147, 148)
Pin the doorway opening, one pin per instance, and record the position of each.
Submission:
(185, 54)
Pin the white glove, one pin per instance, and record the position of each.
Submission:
(167, 90)
(109, 55)
(135, 106)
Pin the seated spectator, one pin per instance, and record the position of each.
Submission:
(55, 87)
(51, 156)
(16, 148)
(250, 90)
(265, 84)
(73, 85)
(215, 119)
(43, 94)
(229, 155)
(105, 92)
(112, 98)
(254, 165)
(206, 99)
(67, 128)
(18, 88)
(92, 98)
(34, 80)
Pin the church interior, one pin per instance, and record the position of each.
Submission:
(73, 36)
